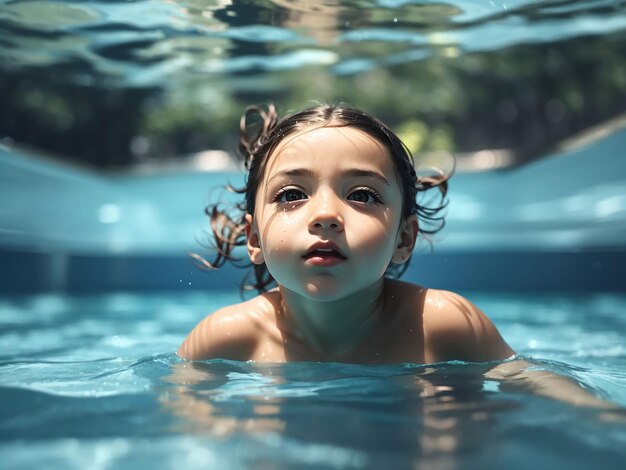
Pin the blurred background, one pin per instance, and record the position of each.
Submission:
(119, 119)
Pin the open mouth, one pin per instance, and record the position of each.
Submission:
(324, 253)
(324, 256)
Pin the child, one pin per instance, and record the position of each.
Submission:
(331, 218)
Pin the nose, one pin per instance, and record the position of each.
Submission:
(325, 214)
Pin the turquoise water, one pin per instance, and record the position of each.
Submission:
(93, 382)
(145, 43)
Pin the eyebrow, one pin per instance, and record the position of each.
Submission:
(351, 172)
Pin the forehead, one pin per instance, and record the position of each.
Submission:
(335, 146)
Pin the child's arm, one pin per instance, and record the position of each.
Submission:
(519, 375)
(226, 334)
(456, 329)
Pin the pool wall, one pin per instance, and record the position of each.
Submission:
(556, 224)
(28, 272)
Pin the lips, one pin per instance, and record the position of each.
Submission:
(324, 249)
(324, 254)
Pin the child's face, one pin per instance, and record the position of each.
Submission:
(328, 215)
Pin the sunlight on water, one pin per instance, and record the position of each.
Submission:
(109, 359)
(141, 43)
(93, 381)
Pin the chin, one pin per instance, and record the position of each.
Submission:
(328, 291)
(324, 290)
(323, 295)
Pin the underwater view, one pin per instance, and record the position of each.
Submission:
(119, 124)
(93, 382)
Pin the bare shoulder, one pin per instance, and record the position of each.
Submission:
(456, 329)
(232, 332)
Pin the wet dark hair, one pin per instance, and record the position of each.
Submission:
(260, 133)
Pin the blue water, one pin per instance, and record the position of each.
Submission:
(93, 382)
(142, 43)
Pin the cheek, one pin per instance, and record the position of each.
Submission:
(289, 220)
(375, 228)
(375, 236)
(280, 229)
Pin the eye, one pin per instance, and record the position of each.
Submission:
(289, 195)
(365, 196)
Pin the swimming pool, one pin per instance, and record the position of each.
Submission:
(93, 382)
(97, 292)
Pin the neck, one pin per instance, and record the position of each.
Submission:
(333, 328)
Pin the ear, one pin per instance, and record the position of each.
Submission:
(405, 240)
(255, 253)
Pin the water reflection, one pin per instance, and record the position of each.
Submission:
(448, 416)
(318, 20)
(440, 416)
(197, 397)
(513, 76)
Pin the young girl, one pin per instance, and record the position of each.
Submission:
(330, 220)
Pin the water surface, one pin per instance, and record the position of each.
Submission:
(95, 379)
